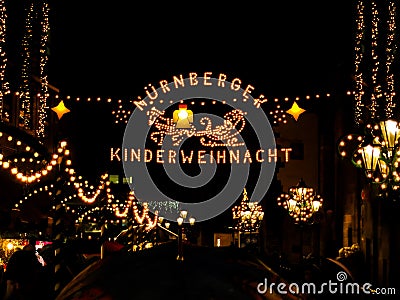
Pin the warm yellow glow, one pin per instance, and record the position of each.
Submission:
(390, 134)
(180, 221)
(183, 114)
(60, 109)
(370, 157)
(183, 214)
(295, 111)
(10, 246)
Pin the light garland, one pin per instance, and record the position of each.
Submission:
(43, 71)
(374, 95)
(46, 188)
(121, 114)
(142, 218)
(31, 175)
(390, 56)
(4, 85)
(359, 89)
(377, 89)
(26, 70)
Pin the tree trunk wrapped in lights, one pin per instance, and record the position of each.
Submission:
(58, 235)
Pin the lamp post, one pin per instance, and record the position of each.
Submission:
(180, 220)
(377, 153)
(247, 217)
(302, 203)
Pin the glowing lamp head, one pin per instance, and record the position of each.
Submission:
(390, 133)
(292, 204)
(180, 221)
(316, 205)
(182, 114)
(183, 214)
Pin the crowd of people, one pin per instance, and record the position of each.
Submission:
(27, 275)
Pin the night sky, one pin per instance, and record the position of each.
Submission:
(118, 47)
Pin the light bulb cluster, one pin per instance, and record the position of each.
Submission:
(247, 216)
(301, 203)
(377, 152)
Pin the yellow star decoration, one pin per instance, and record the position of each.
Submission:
(295, 111)
(60, 109)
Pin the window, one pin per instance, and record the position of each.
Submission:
(127, 180)
(114, 179)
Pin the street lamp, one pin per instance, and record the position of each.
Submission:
(301, 203)
(247, 216)
(180, 220)
(377, 152)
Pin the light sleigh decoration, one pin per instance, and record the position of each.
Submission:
(210, 136)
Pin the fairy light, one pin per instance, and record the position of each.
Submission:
(359, 88)
(390, 56)
(45, 29)
(4, 86)
(377, 89)
(28, 175)
(220, 135)
(89, 197)
(27, 69)
(120, 210)
(37, 190)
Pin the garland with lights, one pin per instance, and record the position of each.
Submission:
(376, 149)
(4, 86)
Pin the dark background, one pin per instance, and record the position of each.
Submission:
(118, 47)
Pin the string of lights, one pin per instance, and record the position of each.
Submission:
(43, 95)
(26, 71)
(390, 56)
(125, 107)
(4, 87)
(359, 55)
